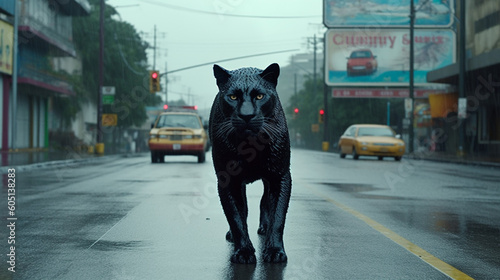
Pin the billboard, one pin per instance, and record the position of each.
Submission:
(382, 57)
(388, 13)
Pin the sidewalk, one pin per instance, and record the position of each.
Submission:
(39, 158)
(478, 160)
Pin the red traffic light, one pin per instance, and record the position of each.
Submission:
(321, 112)
(154, 75)
(296, 110)
(165, 107)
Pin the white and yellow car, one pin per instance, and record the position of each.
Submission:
(177, 133)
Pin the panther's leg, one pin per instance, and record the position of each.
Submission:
(234, 204)
(278, 199)
(264, 210)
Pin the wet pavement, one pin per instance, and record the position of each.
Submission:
(125, 218)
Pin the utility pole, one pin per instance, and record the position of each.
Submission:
(462, 75)
(101, 72)
(412, 82)
(166, 84)
(314, 42)
(154, 49)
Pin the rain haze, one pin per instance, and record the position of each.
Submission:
(208, 31)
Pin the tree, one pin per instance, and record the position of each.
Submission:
(124, 50)
(342, 112)
(309, 103)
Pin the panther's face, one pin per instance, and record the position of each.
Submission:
(248, 98)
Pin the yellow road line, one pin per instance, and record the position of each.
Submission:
(438, 264)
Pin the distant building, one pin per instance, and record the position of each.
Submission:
(482, 83)
(45, 36)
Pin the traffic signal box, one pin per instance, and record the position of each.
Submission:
(154, 81)
(321, 117)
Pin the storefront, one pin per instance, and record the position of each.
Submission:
(482, 88)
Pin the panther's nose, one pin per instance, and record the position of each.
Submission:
(247, 111)
(247, 118)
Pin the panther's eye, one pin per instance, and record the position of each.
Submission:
(259, 96)
(233, 97)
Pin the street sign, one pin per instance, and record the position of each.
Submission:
(108, 99)
(108, 90)
(109, 119)
(315, 127)
(462, 108)
(408, 106)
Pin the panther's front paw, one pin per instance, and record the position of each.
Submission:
(244, 256)
(262, 230)
(274, 255)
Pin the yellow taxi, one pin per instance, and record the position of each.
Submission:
(371, 140)
(177, 133)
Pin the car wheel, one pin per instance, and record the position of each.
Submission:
(154, 157)
(380, 158)
(161, 158)
(201, 157)
(397, 158)
(340, 152)
(354, 153)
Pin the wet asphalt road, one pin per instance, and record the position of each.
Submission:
(125, 218)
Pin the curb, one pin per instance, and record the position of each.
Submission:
(64, 163)
(462, 162)
(453, 160)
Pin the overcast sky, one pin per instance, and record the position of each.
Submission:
(211, 30)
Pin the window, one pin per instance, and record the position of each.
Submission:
(187, 121)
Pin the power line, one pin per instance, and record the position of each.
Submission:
(228, 59)
(179, 8)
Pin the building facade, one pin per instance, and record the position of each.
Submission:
(7, 9)
(44, 35)
(481, 131)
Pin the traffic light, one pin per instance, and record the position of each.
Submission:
(165, 107)
(154, 81)
(321, 118)
(295, 113)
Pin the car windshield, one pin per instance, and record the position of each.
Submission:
(375, 131)
(361, 54)
(188, 121)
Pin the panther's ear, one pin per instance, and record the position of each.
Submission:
(221, 75)
(271, 73)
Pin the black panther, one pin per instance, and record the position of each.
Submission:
(250, 141)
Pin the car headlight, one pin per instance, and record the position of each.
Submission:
(197, 136)
(152, 136)
(163, 136)
(401, 144)
(364, 143)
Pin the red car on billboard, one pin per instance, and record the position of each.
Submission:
(361, 62)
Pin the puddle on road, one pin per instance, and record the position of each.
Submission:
(358, 190)
(105, 245)
(352, 188)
